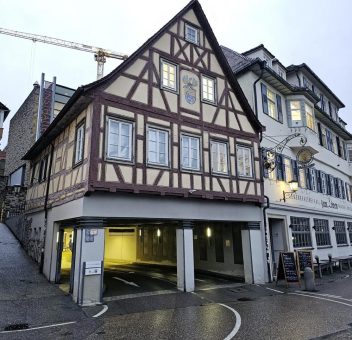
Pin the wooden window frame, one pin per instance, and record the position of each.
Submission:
(238, 146)
(80, 125)
(205, 100)
(220, 173)
(199, 152)
(168, 158)
(165, 87)
(187, 25)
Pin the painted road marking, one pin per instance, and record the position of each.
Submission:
(125, 281)
(237, 324)
(221, 286)
(321, 298)
(40, 327)
(328, 295)
(275, 290)
(105, 308)
(137, 295)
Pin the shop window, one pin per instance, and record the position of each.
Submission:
(301, 236)
(340, 232)
(322, 233)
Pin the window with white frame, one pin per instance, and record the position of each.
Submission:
(309, 117)
(244, 161)
(191, 34)
(158, 146)
(271, 104)
(208, 89)
(190, 152)
(322, 233)
(219, 157)
(340, 232)
(313, 179)
(119, 140)
(295, 107)
(168, 75)
(79, 144)
(301, 236)
(323, 182)
(288, 169)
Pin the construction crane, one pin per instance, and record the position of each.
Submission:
(100, 54)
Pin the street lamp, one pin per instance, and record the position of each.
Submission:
(293, 186)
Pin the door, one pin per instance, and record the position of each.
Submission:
(60, 247)
(277, 240)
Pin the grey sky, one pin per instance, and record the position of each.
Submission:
(317, 32)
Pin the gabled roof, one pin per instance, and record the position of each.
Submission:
(59, 124)
(236, 60)
(304, 66)
(257, 48)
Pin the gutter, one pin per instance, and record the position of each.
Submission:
(46, 208)
(266, 236)
(255, 89)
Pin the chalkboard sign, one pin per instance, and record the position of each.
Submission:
(287, 269)
(304, 259)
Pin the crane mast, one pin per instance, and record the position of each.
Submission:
(100, 54)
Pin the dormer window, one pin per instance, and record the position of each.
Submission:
(191, 34)
(267, 60)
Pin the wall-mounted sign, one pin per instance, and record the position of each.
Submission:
(304, 157)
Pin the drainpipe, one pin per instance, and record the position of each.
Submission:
(266, 235)
(46, 208)
(255, 88)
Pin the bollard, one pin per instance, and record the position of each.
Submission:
(309, 281)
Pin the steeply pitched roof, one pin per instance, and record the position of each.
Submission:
(259, 47)
(293, 68)
(87, 90)
(236, 60)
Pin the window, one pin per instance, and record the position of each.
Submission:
(288, 169)
(119, 140)
(244, 161)
(191, 34)
(158, 146)
(79, 144)
(340, 232)
(295, 107)
(313, 179)
(332, 185)
(349, 227)
(219, 157)
(168, 75)
(271, 103)
(16, 178)
(302, 178)
(322, 233)
(190, 152)
(309, 117)
(43, 169)
(280, 172)
(34, 170)
(300, 232)
(349, 152)
(323, 183)
(208, 89)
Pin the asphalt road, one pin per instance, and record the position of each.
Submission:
(217, 310)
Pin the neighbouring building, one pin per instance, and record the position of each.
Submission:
(293, 100)
(156, 163)
(4, 112)
(30, 121)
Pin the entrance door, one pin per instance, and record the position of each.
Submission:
(277, 240)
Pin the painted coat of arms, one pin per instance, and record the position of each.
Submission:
(189, 86)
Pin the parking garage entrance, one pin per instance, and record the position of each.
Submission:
(142, 257)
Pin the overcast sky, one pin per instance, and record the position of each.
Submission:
(317, 32)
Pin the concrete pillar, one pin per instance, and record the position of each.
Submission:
(185, 257)
(89, 262)
(253, 253)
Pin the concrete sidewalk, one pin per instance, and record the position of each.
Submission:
(26, 297)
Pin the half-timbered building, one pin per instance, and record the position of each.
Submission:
(155, 163)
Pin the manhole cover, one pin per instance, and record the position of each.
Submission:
(245, 299)
(16, 327)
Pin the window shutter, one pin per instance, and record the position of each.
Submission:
(347, 193)
(318, 174)
(289, 115)
(264, 157)
(264, 99)
(279, 108)
(308, 182)
(279, 168)
(320, 134)
(294, 170)
(336, 183)
(338, 146)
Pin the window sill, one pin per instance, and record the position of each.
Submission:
(276, 120)
(169, 89)
(158, 166)
(303, 248)
(204, 101)
(119, 161)
(324, 247)
(192, 171)
(75, 165)
(343, 245)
